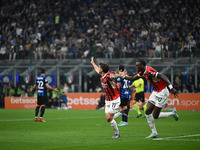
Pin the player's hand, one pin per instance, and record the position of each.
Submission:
(56, 90)
(121, 74)
(175, 92)
(92, 60)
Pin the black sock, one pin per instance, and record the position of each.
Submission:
(125, 117)
(37, 111)
(42, 111)
(128, 107)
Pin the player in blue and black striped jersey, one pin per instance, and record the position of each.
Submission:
(42, 85)
(124, 95)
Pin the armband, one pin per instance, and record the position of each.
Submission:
(170, 86)
(123, 77)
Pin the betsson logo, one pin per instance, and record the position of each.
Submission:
(21, 100)
(83, 101)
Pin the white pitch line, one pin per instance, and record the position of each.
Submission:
(176, 138)
(186, 140)
(51, 119)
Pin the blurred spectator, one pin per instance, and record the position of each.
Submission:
(38, 52)
(192, 88)
(24, 94)
(98, 89)
(66, 88)
(185, 89)
(128, 51)
(109, 50)
(3, 50)
(63, 52)
(13, 53)
(63, 100)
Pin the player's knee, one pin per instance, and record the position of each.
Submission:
(155, 116)
(147, 112)
(108, 119)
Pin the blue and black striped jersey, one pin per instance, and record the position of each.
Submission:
(124, 90)
(40, 82)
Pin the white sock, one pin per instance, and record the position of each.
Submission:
(165, 114)
(117, 115)
(150, 121)
(114, 126)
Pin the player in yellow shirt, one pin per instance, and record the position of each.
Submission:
(139, 90)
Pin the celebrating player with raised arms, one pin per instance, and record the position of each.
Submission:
(159, 95)
(112, 93)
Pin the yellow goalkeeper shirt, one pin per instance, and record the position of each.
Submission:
(141, 87)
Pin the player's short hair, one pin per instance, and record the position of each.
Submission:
(121, 67)
(142, 62)
(42, 70)
(105, 67)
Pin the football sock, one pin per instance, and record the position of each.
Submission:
(125, 117)
(145, 108)
(42, 111)
(165, 114)
(37, 111)
(128, 107)
(150, 121)
(114, 126)
(137, 108)
(117, 115)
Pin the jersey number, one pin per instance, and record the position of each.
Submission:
(113, 105)
(159, 99)
(40, 84)
(125, 84)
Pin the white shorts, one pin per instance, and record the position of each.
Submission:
(159, 99)
(112, 106)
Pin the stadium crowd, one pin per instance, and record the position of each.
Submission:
(81, 28)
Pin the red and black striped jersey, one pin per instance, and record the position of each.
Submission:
(151, 75)
(110, 87)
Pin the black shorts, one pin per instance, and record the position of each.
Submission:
(42, 100)
(124, 102)
(139, 96)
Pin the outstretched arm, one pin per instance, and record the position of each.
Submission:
(49, 87)
(166, 80)
(96, 68)
(131, 78)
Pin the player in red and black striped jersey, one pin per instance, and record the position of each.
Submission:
(112, 93)
(109, 86)
(159, 95)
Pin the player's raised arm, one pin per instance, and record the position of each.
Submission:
(96, 68)
(166, 80)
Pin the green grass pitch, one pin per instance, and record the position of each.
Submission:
(88, 130)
